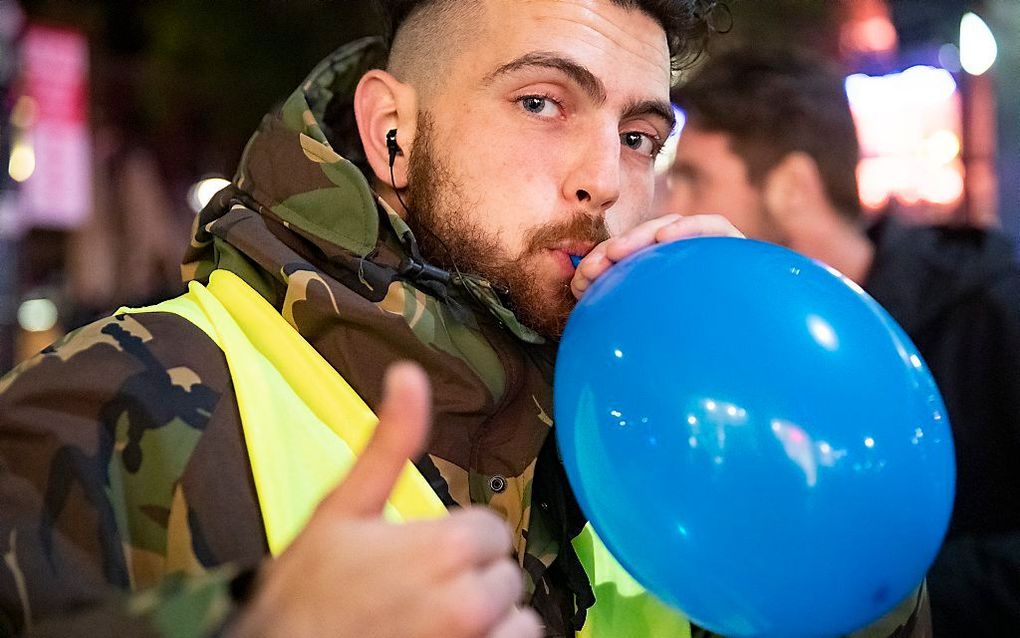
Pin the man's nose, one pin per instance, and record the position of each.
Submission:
(594, 181)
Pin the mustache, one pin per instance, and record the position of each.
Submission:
(581, 227)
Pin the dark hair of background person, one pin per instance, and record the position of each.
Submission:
(687, 23)
(775, 101)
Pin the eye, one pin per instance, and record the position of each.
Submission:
(539, 105)
(641, 142)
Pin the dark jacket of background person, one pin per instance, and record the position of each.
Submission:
(956, 292)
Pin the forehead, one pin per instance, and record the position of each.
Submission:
(698, 145)
(626, 48)
(709, 155)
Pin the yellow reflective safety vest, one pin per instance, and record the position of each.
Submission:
(304, 427)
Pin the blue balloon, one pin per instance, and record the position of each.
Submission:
(754, 438)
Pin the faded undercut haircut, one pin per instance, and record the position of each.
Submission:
(416, 26)
(771, 102)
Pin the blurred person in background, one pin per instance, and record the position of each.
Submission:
(770, 143)
(130, 248)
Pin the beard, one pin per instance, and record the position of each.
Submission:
(448, 235)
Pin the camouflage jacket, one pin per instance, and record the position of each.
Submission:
(127, 504)
(122, 460)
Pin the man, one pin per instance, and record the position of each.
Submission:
(769, 141)
(167, 451)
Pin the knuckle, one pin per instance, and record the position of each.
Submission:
(486, 524)
(501, 531)
(454, 545)
(474, 613)
(590, 270)
(462, 613)
(530, 625)
(510, 581)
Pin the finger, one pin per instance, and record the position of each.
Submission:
(521, 623)
(467, 539)
(591, 267)
(594, 263)
(639, 237)
(697, 226)
(579, 286)
(598, 261)
(477, 602)
(400, 435)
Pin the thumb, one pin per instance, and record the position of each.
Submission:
(400, 435)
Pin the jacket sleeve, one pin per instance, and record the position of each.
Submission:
(179, 607)
(95, 433)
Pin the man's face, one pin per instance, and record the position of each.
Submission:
(707, 177)
(547, 126)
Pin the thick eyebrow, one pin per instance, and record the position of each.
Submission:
(584, 78)
(657, 108)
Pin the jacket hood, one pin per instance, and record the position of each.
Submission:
(299, 173)
(927, 270)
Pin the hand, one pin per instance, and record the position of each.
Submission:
(660, 230)
(349, 573)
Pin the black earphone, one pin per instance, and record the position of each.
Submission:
(394, 149)
(391, 144)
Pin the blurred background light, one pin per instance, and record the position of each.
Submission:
(665, 158)
(916, 85)
(978, 48)
(25, 111)
(21, 164)
(37, 315)
(204, 190)
(942, 146)
(949, 58)
(909, 125)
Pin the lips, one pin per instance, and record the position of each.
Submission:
(568, 255)
(575, 249)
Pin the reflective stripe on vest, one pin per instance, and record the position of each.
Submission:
(304, 426)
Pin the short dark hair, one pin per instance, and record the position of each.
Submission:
(775, 101)
(687, 23)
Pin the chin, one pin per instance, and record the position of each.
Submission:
(547, 313)
(541, 298)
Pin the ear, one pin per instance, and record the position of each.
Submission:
(793, 189)
(383, 103)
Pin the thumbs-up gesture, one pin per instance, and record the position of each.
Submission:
(349, 573)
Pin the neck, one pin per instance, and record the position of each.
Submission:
(840, 244)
